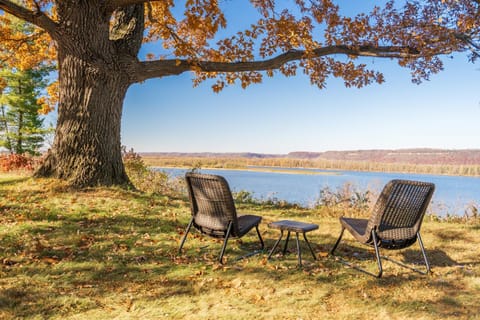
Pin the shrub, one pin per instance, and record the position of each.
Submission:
(13, 162)
(247, 197)
(134, 165)
(148, 180)
(244, 196)
(346, 197)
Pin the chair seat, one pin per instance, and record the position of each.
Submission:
(356, 227)
(393, 238)
(246, 223)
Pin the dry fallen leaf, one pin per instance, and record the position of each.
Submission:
(49, 260)
(237, 283)
(323, 254)
(258, 299)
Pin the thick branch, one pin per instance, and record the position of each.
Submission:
(112, 5)
(154, 69)
(38, 18)
(127, 29)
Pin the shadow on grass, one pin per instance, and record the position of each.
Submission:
(72, 266)
(79, 288)
(12, 181)
(412, 258)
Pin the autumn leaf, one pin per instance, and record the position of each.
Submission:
(50, 260)
(237, 283)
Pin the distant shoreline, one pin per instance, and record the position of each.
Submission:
(289, 165)
(307, 171)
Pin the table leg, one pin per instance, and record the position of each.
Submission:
(308, 243)
(286, 243)
(299, 252)
(275, 245)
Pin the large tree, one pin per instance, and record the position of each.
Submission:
(97, 47)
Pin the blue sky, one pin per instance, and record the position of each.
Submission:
(288, 114)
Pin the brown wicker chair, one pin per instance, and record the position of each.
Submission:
(395, 221)
(213, 210)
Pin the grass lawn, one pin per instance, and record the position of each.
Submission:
(107, 253)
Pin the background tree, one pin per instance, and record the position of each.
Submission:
(98, 42)
(21, 104)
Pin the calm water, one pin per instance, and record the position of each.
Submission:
(453, 195)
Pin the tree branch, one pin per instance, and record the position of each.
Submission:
(474, 47)
(37, 17)
(160, 68)
(114, 4)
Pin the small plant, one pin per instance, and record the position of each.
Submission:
(471, 213)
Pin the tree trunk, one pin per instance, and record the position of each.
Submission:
(86, 150)
(19, 146)
(94, 54)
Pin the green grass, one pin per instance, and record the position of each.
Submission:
(106, 253)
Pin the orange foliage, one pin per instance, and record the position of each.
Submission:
(24, 46)
(24, 50)
(414, 33)
(49, 102)
(15, 162)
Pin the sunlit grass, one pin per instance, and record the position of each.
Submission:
(106, 253)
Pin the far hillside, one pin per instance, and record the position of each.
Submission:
(411, 156)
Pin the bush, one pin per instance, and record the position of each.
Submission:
(345, 198)
(247, 197)
(146, 179)
(13, 162)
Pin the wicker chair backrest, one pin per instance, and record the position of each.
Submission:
(401, 205)
(211, 204)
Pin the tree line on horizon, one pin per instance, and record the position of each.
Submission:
(243, 163)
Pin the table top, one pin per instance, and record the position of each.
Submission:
(291, 225)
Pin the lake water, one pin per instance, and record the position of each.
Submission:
(454, 195)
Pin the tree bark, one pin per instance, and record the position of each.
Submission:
(86, 150)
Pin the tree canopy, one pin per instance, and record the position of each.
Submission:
(100, 40)
(285, 37)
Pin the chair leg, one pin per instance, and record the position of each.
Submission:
(377, 253)
(227, 235)
(420, 242)
(338, 241)
(260, 238)
(185, 236)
